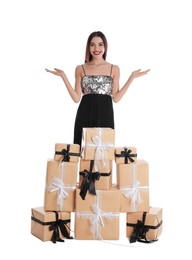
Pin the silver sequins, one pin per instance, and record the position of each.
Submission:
(97, 85)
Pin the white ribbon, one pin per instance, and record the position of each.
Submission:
(133, 194)
(56, 184)
(96, 218)
(133, 191)
(98, 213)
(101, 148)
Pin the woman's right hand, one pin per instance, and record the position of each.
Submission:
(56, 72)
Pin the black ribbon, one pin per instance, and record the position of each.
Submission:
(55, 226)
(140, 230)
(66, 154)
(88, 183)
(127, 154)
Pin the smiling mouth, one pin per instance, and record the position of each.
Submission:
(97, 52)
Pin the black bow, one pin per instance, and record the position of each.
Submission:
(55, 226)
(88, 182)
(65, 153)
(140, 230)
(127, 154)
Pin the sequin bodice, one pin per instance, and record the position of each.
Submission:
(97, 85)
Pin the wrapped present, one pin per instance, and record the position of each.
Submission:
(133, 182)
(61, 182)
(97, 217)
(67, 152)
(144, 226)
(98, 144)
(125, 154)
(50, 226)
(90, 179)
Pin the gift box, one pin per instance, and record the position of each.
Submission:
(91, 179)
(144, 226)
(125, 154)
(97, 217)
(98, 144)
(50, 226)
(133, 182)
(61, 182)
(67, 152)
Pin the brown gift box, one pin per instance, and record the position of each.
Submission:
(98, 143)
(67, 152)
(125, 154)
(105, 179)
(133, 182)
(61, 182)
(97, 217)
(41, 221)
(152, 222)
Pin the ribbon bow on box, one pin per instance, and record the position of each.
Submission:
(127, 154)
(55, 226)
(66, 154)
(140, 230)
(88, 183)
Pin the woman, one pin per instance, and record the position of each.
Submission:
(96, 85)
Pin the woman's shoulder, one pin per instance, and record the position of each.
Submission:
(115, 69)
(79, 69)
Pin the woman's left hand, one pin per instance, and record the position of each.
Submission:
(138, 73)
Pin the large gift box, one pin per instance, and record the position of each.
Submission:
(133, 182)
(98, 144)
(67, 152)
(61, 182)
(50, 226)
(125, 154)
(97, 217)
(91, 179)
(144, 226)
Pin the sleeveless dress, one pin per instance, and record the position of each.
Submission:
(96, 107)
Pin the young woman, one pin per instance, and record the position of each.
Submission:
(96, 86)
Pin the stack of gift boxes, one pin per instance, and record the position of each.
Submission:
(80, 181)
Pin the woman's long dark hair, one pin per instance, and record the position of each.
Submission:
(88, 56)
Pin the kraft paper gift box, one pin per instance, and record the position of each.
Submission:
(91, 179)
(61, 182)
(67, 152)
(133, 182)
(144, 226)
(50, 226)
(97, 217)
(125, 154)
(98, 144)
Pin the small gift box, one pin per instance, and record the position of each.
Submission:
(61, 182)
(98, 144)
(97, 217)
(50, 226)
(133, 182)
(144, 226)
(91, 179)
(67, 152)
(125, 154)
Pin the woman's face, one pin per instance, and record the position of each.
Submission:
(97, 48)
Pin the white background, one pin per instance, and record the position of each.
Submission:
(36, 112)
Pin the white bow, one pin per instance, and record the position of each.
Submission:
(57, 184)
(133, 194)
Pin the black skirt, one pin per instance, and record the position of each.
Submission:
(95, 110)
